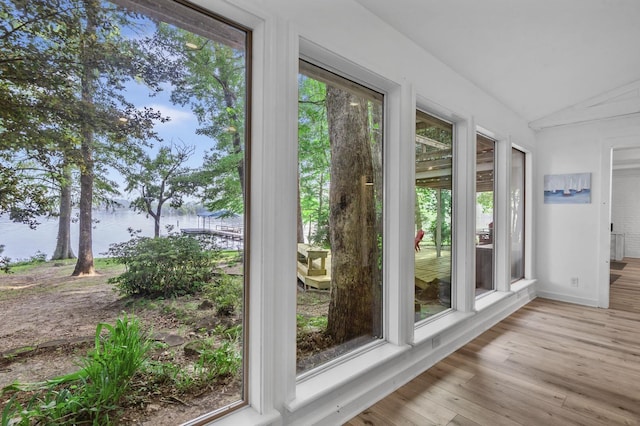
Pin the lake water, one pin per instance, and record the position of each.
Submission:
(21, 242)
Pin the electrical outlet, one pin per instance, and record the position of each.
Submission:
(574, 282)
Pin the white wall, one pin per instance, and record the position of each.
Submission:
(625, 207)
(573, 240)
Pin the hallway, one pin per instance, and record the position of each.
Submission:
(625, 285)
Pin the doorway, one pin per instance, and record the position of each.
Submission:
(624, 272)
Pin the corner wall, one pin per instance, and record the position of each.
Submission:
(572, 241)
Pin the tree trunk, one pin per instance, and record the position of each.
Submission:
(319, 222)
(439, 217)
(84, 265)
(299, 219)
(156, 220)
(63, 246)
(354, 279)
(418, 214)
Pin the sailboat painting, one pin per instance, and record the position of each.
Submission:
(573, 188)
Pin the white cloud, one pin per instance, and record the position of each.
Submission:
(176, 116)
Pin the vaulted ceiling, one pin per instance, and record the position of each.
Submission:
(551, 61)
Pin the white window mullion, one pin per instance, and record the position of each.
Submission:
(464, 277)
(502, 224)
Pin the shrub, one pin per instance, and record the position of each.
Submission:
(224, 361)
(4, 261)
(226, 294)
(166, 266)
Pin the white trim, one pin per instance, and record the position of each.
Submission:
(561, 297)
(604, 245)
(619, 102)
(502, 216)
(464, 219)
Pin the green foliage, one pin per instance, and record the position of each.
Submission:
(92, 394)
(306, 323)
(160, 179)
(221, 362)
(47, 117)
(314, 159)
(213, 364)
(4, 262)
(485, 199)
(169, 266)
(427, 211)
(212, 81)
(226, 293)
(232, 333)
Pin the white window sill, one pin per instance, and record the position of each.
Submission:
(522, 284)
(244, 416)
(490, 299)
(430, 329)
(312, 388)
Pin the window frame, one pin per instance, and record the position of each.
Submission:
(323, 74)
(450, 119)
(304, 390)
(498, 183)
(525, 193)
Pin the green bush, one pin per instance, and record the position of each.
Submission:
(166, 266)
(224, 361)
(4, 261)
(226, 294)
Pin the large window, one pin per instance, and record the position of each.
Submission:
(485, 184)
(434, 165)
(517, 213)
(123, 146)
(339, 305)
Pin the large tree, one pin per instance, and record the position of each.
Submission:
(32, 104)
(354, 309)
(160, 179)
(75, 116)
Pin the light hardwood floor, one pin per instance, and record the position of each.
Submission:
(550, 363)
(625, 290)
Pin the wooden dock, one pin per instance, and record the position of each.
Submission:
(228, 232)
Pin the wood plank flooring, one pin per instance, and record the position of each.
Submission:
(625, 290)
(550, 363)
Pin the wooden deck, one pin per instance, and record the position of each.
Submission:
(314, 267)
(430, 267)
(549, 363)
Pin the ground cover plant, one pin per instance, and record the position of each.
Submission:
(91, 394)
(193, 363)
(194, 360)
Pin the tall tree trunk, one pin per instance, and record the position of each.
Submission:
(84, 265)
(63, 245)
(319, 223)
(418, 214)
(352, 310)
(439, 218)
(299, 219)
(156, 219)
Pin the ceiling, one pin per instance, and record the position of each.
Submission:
(538, 57)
